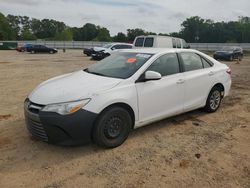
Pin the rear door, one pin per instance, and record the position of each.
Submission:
(161, 98)
(199, 79)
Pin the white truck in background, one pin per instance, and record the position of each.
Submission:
(157, 41)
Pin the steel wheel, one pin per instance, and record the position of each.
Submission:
(112, 127)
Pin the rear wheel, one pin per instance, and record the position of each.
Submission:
(112, 127)
(33, 51)
(213, 100)
(231, 58)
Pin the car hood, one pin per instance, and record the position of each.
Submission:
(97, 49)
(71, 87)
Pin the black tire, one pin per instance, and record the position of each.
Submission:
(112, 127)
(51, 52)
(33, 51)
(213, 100)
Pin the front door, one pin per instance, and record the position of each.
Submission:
(161, 98)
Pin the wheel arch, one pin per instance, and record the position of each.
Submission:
(220, 86)
(119, 104)
(122, 105)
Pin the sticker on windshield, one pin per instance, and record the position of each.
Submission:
(131, 60)
(146, 56)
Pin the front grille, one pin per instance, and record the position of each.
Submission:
(36, 129)
(33, 122)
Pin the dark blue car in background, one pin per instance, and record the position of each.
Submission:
(229, 53)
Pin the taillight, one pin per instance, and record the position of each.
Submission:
(229, 71)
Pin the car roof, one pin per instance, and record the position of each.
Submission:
(121, 43)
(157, 50)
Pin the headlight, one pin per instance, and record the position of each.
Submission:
(66, 108)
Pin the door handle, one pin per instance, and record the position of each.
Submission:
(211, 73)
(180, 81)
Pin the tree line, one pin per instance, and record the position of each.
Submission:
(193, 29)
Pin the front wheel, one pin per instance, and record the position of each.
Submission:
(112, 127)
(213, 100)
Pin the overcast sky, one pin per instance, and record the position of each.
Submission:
(160, 16)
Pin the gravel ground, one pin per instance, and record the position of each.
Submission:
(195, 149)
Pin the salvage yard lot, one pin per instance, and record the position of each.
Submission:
(191, 150)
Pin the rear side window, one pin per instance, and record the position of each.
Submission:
(178, 41)
(139, 42)
(174, 43)
(191, 61)
(185, 45)
(167, 64)
(149, 41)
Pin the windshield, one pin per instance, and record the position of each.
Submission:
(228, 48)
(107, 46)
(119, 64)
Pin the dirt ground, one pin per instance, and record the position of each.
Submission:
(191, 150)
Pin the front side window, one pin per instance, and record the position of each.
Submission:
(139, 42)
(107, 46)
(149, 42)
(167, 64)
(191, 61)
(119, 64)
(116, 47)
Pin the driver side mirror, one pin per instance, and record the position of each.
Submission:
(149, 75)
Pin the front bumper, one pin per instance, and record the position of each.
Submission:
(100, 56)
(73, 129)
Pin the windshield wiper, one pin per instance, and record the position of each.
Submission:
(96, 73)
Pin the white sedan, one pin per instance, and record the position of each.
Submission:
(126, 90)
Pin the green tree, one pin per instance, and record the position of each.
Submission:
(6, 32)
(14, 22)
(27, 35)
(65, 35)
(120, 37)
(103, 35)
(132, 33)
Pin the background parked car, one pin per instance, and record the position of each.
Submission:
(102, 52)
(229, 53)
(156, 41)
(41, 49)
(23, 48)
(88, 51)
